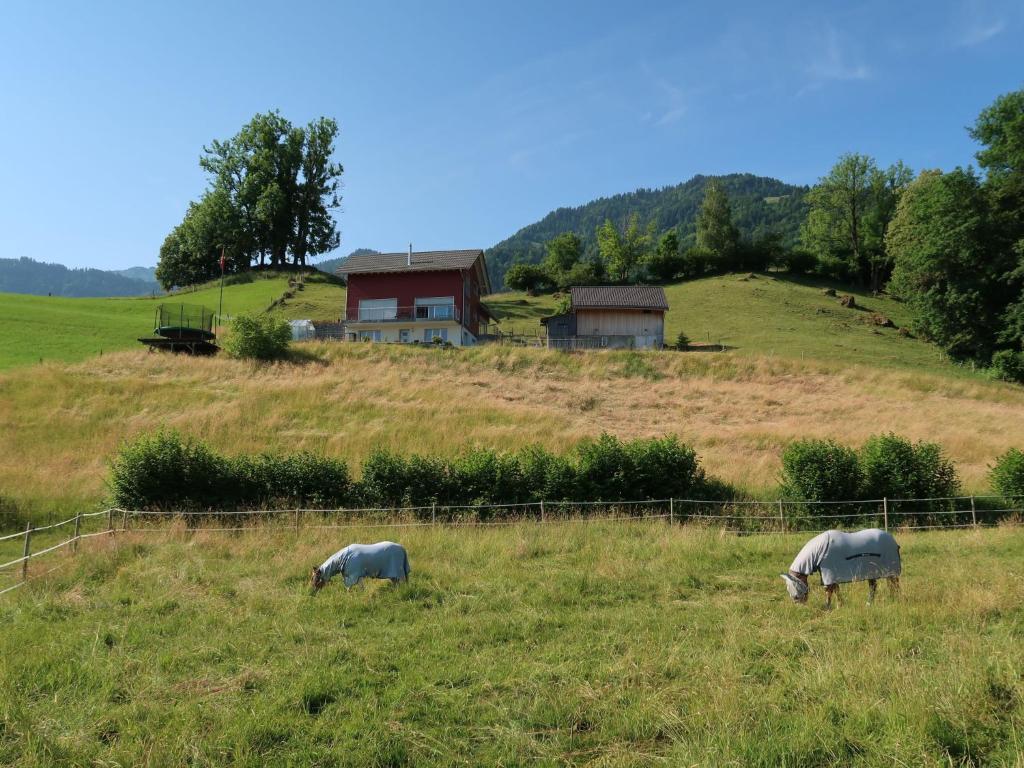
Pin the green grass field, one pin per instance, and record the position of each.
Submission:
(43, 328)
(605, 644)
(776, 315)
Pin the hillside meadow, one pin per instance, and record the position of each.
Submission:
(775, 315)
(604, 644)
(36, 329)
(62, 423)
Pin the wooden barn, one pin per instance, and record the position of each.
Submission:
(610, 316)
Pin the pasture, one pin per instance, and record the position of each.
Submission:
(772, 315)
(37, 329)
(605, 644)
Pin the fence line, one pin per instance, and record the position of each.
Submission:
(775, 519)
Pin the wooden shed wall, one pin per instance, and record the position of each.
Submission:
(619, 322)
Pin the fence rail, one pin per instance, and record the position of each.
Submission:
(779, 516)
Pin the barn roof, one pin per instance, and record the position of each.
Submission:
(618, 297)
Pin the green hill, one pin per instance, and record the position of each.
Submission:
(760, 205)
(35, 328)
(774, 314)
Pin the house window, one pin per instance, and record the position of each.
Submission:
(374, 310)
(429, 334)
(369, 335)
(435, 308)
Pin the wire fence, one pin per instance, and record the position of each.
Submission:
(743, 517)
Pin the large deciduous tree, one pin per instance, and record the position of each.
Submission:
(850, 211)
(273, 188)
(622, 253)
(716, 233)
(944, 264)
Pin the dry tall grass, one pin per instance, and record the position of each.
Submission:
(59, 424)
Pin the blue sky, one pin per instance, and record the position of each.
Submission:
(462, 122)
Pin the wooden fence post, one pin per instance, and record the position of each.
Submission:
(782, 516)
(78, 528)
(110, 521)
(974, 514)
(671, 511)
(542, 510)
(124, 519)
(433, 513)
(26, 551)
(885, 512)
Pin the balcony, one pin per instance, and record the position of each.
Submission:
(415, 314)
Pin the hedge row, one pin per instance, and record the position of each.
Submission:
(885, 466)
(165, 471)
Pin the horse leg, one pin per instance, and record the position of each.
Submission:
(894, 585)
(831, 589)
(872, 586)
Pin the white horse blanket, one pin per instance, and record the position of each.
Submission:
(843, 557)
(383, 560)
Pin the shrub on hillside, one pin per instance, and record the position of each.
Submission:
(385, 479)
(820, 470)
(1008, 365)
(604, 469)
(295, 479)
(892, 466)
(547, 476)
(1007, 475)
(163, 470)
(663, 468)
(258, 337)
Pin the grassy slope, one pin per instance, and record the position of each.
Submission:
(34, 328)
(61, 421)
(769, 314)
(606, 644)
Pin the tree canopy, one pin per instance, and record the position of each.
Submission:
(273, 188)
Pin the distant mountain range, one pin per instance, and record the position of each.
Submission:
(329, 265)
(759, 204)
(41, 279)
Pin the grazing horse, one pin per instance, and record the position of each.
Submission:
(383, 560)
(844, 557)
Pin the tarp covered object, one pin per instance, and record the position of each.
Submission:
(383, 560)
(842, 557)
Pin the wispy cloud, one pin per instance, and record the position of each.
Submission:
(979, 33)
(830, 62)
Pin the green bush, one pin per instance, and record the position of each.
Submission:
(385, 479)
(820, 470)
(893, 466)
(1007, 475)
(1008, 365)
(296, 479)
(604, 469)
(662, 468)
(166, 471)
(258, 337)
(547, 476)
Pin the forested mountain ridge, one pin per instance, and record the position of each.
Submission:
(760, 205)
(331, 265)
(26, 275)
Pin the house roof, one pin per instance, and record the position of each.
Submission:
(618, 297)
(422, 261)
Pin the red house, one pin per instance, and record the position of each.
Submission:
(416, 297)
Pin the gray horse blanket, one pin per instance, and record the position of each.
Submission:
(383, 560)
(843, 557)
